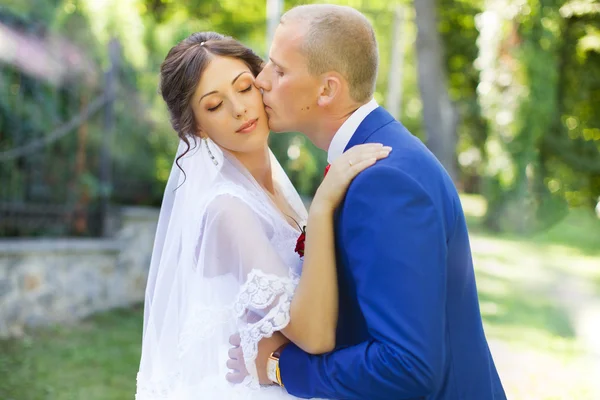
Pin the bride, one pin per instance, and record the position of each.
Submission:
(224, 258)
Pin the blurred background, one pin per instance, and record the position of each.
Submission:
(506, 93)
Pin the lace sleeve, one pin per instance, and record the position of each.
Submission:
(266, 284)
(262, 292)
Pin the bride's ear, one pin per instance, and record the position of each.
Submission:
(330, 89)
(200, 133)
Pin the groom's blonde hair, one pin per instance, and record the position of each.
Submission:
(340, 39)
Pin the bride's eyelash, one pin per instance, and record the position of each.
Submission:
(249, 88)
(215, 107)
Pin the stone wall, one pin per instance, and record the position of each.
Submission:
(45, 281)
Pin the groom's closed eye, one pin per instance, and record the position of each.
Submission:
(278, 70)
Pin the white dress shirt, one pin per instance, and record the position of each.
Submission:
(344, 134)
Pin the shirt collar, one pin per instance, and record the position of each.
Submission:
(344, 134)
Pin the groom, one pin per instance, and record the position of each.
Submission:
(409, 322)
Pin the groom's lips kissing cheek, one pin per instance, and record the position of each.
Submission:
(248, 126)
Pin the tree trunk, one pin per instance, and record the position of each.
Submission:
(393, 102)
(274, 11)
(438, 114)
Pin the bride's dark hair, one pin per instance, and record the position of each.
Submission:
(181, 70)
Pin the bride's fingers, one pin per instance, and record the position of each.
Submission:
(384, 153)
(377, 154)
(235, 353)
(232, 364)
(358, 153)
(346, 167)
(235, 377)
(367, 146)
(361, 166)
(235, 339)
(360, 150)
(355, 159)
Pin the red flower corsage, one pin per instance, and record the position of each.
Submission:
(300, 243)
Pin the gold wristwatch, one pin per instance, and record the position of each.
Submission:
(273, 371)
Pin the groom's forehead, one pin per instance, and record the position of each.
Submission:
(288, 40)
(290, 34)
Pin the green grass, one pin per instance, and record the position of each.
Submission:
(96, 359)
(539, 296)
(540, 302)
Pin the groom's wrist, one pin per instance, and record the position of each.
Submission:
(273, 370)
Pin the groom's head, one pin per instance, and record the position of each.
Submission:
(323, 60)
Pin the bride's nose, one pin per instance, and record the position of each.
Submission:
(239, 109)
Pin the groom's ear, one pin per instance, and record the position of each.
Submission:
(330, 89)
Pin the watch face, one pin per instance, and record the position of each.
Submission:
(272, 370)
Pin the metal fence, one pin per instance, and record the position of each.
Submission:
(55, 158)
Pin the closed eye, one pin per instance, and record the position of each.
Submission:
(215, 107)
(249, 88)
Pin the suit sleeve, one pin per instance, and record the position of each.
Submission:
(393, 240)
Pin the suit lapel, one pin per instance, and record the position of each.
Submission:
(375, 120)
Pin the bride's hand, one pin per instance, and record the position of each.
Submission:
(343, 170)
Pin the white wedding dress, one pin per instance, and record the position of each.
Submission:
(223, 262)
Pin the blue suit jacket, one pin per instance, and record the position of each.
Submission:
(409, 322)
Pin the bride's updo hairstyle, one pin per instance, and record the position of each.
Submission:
(182, 69)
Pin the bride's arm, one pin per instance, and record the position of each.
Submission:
(314, 308)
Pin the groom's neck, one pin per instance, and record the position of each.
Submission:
(332, 121)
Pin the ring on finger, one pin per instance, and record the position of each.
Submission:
(350, 162)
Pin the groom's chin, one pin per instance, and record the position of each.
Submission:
(279, 130)
(275, 128)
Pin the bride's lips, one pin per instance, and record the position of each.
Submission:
(248, 126)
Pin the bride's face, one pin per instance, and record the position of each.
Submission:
(228, 107)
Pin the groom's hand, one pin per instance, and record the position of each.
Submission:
(265, 347)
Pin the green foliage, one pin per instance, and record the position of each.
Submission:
(539, 28)
(528, 130)
(571, 149)
(540, 161)
(459, 32)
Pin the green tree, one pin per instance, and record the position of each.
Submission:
(539, 160)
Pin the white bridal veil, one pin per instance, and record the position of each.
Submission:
(223, 262)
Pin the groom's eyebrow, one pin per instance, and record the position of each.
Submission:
(275, 62)
(232, 82)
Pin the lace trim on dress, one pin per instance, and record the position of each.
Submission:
(260, 292)
(156, 389)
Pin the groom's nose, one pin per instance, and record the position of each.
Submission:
(261, 82)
